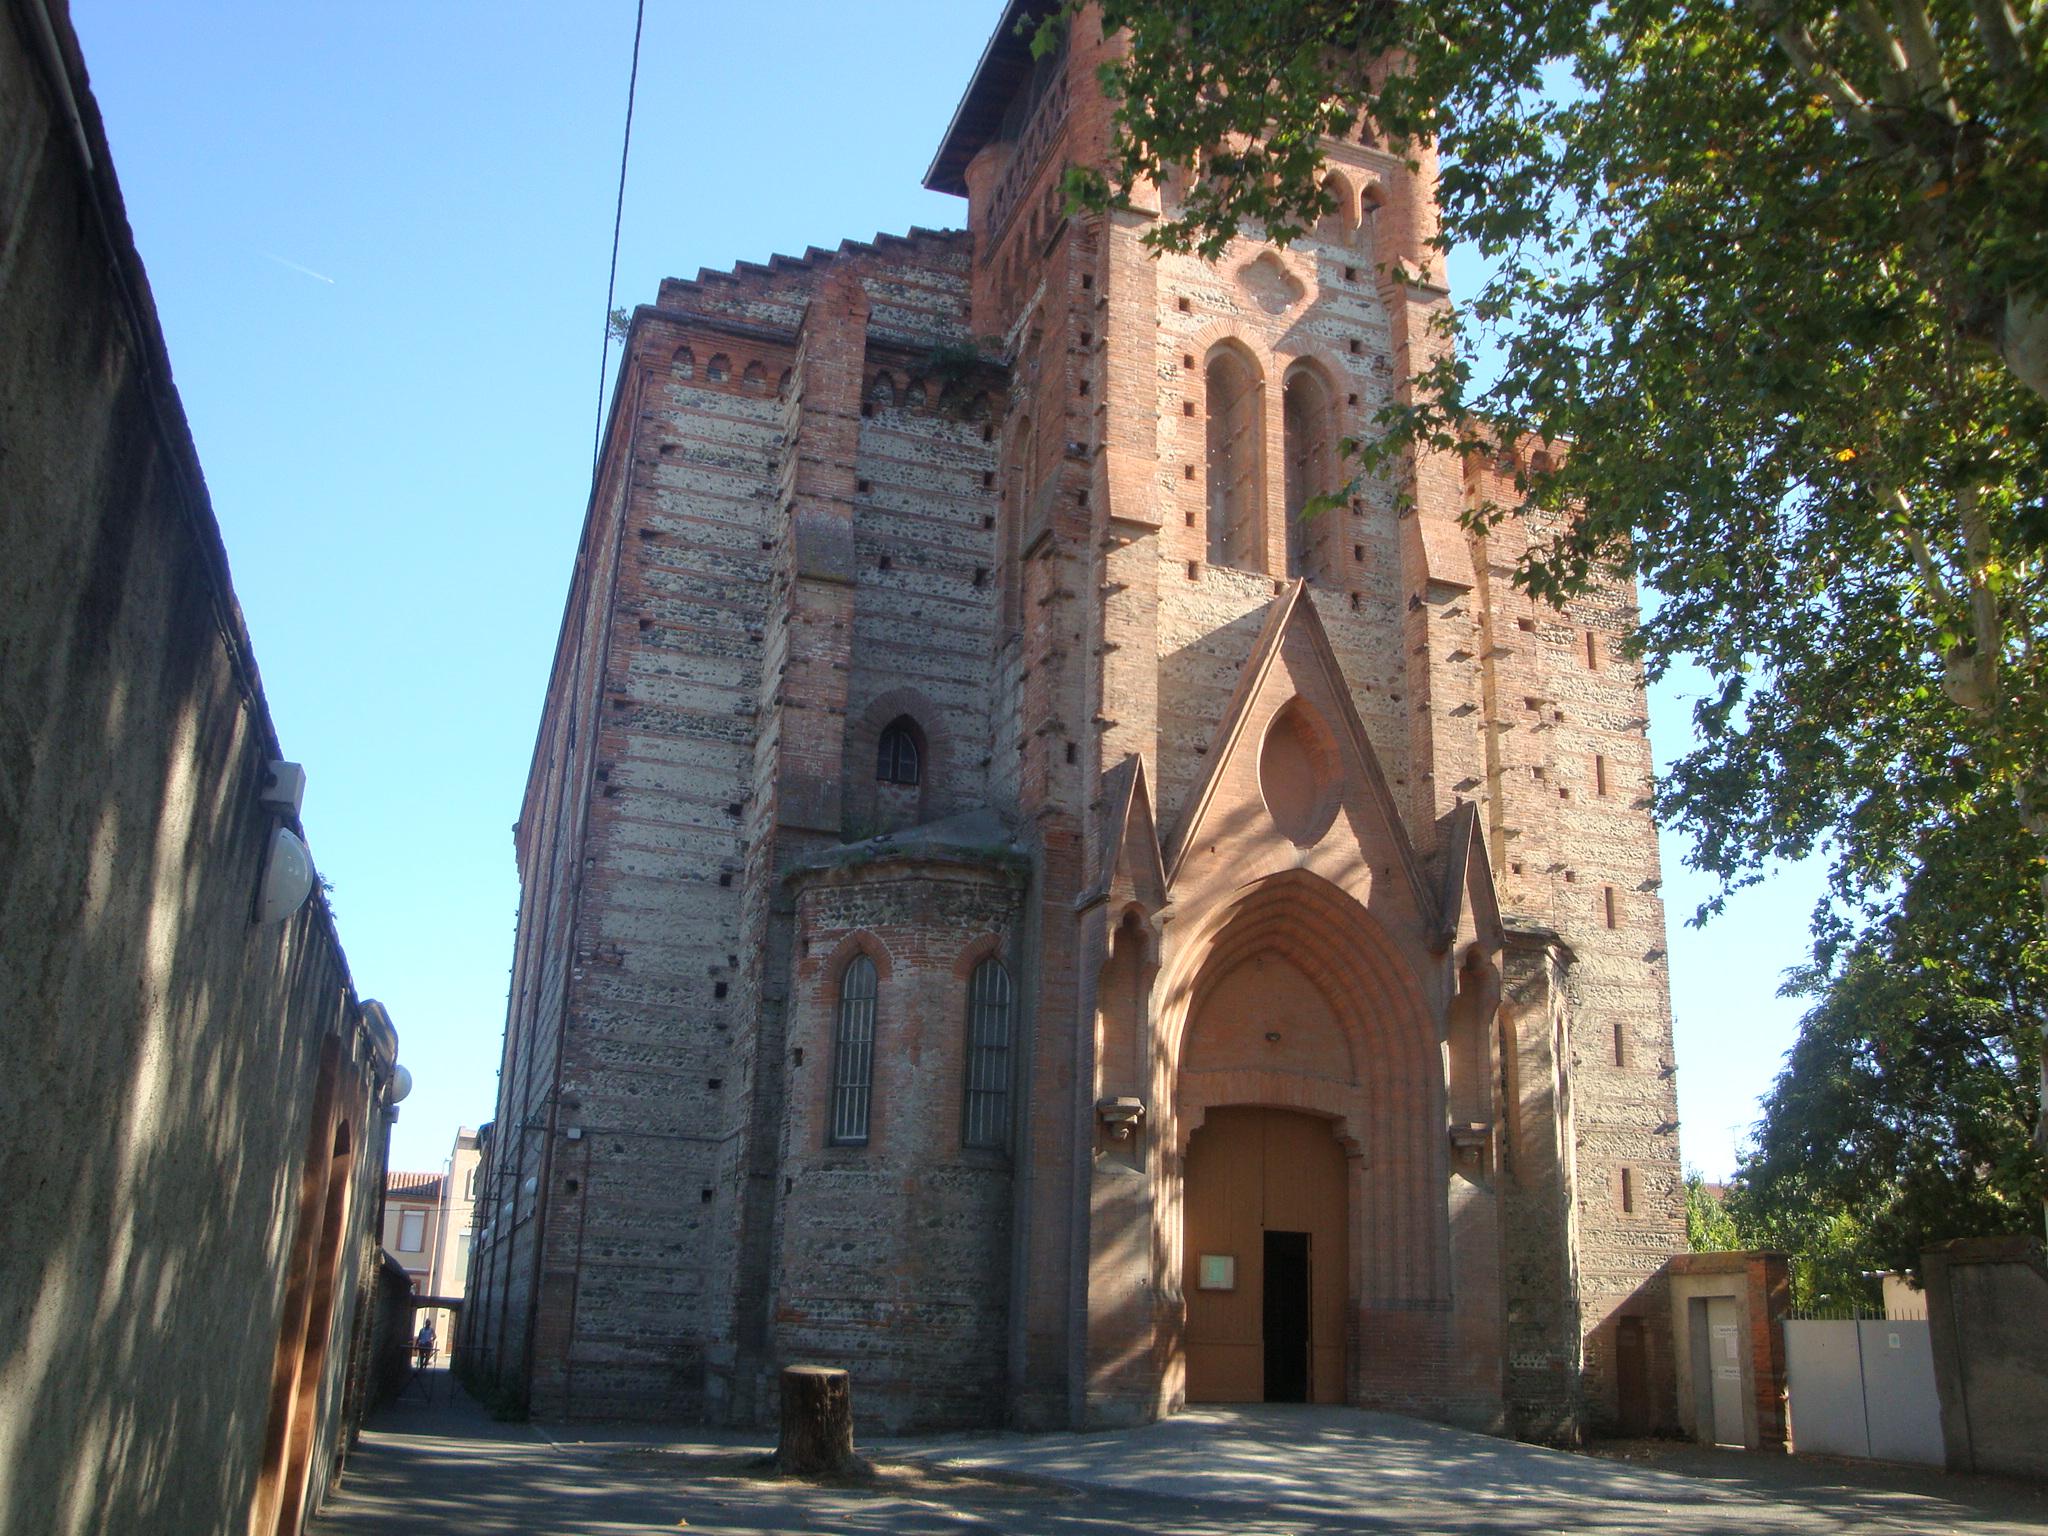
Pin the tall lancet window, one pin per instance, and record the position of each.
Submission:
(1236, 530)
(986, 1118)
(853, 1055)
(1311, 467)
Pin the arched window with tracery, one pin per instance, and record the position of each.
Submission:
(1236, 484)
(986, 1111)
(853, 1054)
(899, 756)
(1311, 466)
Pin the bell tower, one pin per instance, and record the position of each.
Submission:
(1166, 420)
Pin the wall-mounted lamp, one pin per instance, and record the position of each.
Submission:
(401, 1084)
(287, 865)
(287, 877)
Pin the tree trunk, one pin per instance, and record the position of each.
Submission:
(817, 1423)
(2023, 341)
(2036, 822)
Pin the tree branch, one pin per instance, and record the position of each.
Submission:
(1923, 558)
(1895, 77)
(1916, 36)
(1799, 46)
(1970, 671)
(2004, 40)
(2023, 340)
(1986, 620)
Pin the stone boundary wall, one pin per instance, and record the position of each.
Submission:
(193, 1105)
(1987, 1303)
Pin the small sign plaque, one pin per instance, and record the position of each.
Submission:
(1219, 1272)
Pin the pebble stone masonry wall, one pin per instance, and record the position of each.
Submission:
(963, 478)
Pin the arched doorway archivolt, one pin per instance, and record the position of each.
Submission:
(1295, 999)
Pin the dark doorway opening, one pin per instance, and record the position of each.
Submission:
(1286, 1317)
(1632, 1376)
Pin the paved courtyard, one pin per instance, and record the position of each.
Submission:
(445, 1465)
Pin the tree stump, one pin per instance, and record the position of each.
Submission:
(817, 1423)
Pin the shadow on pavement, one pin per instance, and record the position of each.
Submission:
(435, 1460)
(445, 1464)
(1959, 1501)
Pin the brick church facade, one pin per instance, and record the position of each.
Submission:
(1010, 909)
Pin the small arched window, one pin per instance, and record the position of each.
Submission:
(986, 1113)
(898, 759)
(1336, 225)
(1370, 201)
(1305, 414)
(684, 364)
(719, 368)
(1236, 531)
(853, 1055)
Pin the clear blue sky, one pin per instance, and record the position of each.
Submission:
(377, 236)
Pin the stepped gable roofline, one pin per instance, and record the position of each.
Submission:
(1004, 66)
(813, 257)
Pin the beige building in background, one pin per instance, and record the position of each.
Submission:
(427, 1230)
(412, 1210)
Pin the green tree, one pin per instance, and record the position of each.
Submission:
(1708, 1226)
(1777, 272)
(1908, 1105)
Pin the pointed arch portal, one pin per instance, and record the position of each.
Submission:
(1308, 1101)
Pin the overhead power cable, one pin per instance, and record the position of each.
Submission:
(604, 356)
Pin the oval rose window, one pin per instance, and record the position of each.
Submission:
(1297, 773)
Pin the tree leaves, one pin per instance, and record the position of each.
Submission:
(1908, 1104)
(1777, 270)
(1718, 274)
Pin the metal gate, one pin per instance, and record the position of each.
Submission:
(1863, 1386)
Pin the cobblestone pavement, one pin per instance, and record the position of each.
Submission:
(445, 1465)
